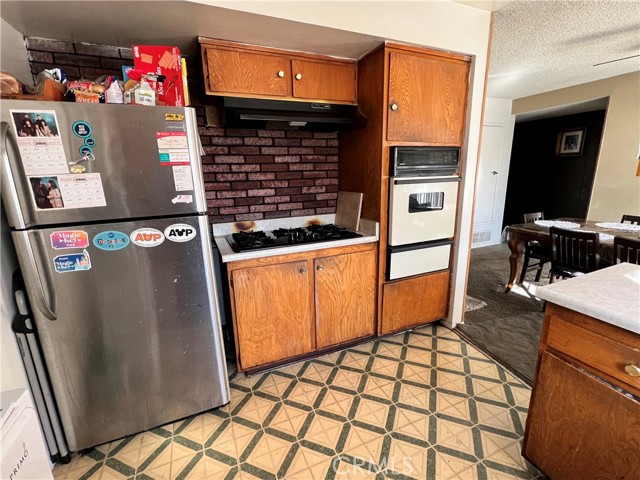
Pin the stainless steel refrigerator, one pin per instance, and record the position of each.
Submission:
(108, 216)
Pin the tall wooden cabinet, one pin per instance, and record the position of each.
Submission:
(427, 99)
(287, 306)
(410, 96)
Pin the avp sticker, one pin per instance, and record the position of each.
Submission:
(69, 239)
(72, 263)
(180, 232)
(147, 237)
(111, 240)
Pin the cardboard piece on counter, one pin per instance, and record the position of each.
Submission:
(348, 210)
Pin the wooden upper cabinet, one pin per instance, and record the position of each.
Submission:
(268, 314)
(237, 72)
(345, 297)
(234, 69)
(427, 99)
(324, 81)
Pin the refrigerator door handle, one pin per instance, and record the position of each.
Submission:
(13, 190)
(34, 269)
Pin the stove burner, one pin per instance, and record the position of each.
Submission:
(243, 241)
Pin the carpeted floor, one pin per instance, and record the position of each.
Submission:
(508, 326)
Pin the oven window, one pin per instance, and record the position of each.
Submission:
(426, 202)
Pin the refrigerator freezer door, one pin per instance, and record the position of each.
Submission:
(136, 339)
(135, 163)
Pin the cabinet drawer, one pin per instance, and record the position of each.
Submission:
(594, 350)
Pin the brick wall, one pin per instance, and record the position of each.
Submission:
(248, 174)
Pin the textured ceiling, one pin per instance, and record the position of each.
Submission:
(546, 45)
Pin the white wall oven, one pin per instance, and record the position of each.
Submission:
(423, 197)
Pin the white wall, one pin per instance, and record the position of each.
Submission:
(616, 188)
(13, 57)
(438, 24)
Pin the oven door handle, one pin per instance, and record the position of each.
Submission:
(414, 181)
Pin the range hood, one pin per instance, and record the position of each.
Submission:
(261, 113)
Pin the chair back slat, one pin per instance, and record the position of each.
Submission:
(626, 250)
(532, 217)
(573, 251)
(633, 219)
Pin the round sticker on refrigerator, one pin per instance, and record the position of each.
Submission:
(111, 240)
(146, 237)
(180, 232)
(81, 129)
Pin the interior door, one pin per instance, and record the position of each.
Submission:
(345, 297)
(427, 99)
(270, 303)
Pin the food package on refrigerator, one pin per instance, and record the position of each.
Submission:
(164, 61)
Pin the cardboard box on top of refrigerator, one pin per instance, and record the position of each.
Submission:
(162, 60)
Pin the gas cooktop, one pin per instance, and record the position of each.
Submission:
(282, 237)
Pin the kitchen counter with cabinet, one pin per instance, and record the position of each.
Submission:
(369, 231)
(294, 301)
(584, 416)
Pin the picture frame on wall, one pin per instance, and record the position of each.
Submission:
(571, 141)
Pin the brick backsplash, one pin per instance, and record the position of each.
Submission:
(248, 174)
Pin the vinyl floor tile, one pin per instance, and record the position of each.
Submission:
(421, 404)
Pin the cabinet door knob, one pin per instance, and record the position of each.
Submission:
(319, 267)
(303, 270)
(632, 370)
(493, 172)
(394, 106)
(298, 76)
(281, 73)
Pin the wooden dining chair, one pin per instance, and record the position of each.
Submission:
(626, 250)
(573, 253)
(634, 219)
(534, 250)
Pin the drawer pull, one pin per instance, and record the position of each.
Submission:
(632, 370)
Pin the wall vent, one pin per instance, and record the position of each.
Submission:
(481, 237)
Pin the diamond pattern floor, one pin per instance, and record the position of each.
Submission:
(422, 404)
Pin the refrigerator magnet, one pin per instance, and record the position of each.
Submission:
(69, 239)
(90, 142)
(73, 262)
(146, 237)
(39, 142)
(180, 232)
(111, 240)
(81, 129)
(173, 148)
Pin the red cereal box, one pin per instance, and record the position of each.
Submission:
(162, 61)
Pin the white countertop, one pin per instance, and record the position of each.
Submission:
(611, 295)
(368, 229)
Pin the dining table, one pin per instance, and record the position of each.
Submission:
(518, 235)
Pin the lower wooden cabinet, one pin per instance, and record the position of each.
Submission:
(414, 301)
(580, 426)
(584, 414)
(274, 312)
(345, 297)
(290, 305)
